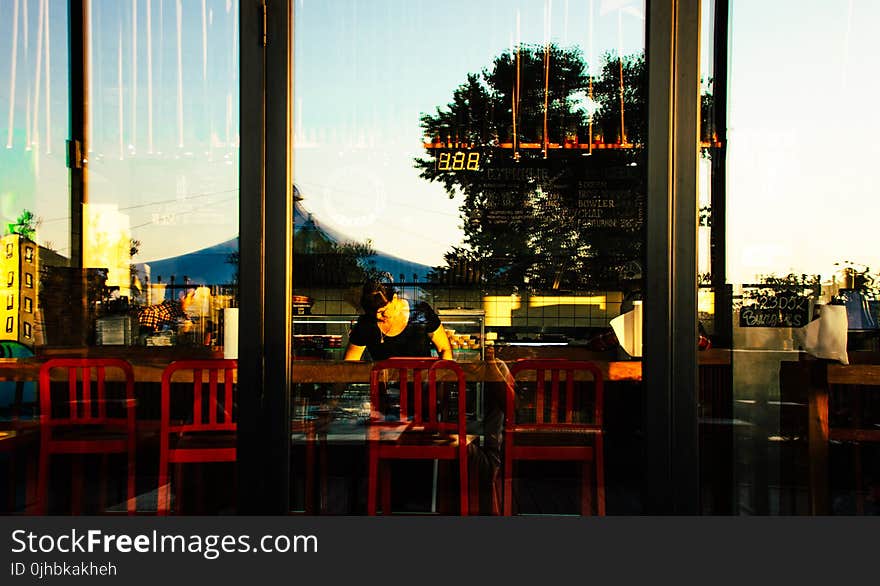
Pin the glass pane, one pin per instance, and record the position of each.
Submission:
(33, 208)
(483, 162)
(34, 125)
(801, 257)
(157, 281)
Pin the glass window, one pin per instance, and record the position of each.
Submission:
(10, 301)
(161, 224)
(487, 170)
(159, 262)
(10, 324)
(798, 226)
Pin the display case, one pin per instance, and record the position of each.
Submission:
(321, 337)
(466, 331)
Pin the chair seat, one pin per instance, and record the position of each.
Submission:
(570, 437)
(421, 445)
(202, 447)
(86, 440)
(203, 441)
(94, 434)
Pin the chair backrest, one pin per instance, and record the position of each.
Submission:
(210, 411)
(557, 404)
(405, 370)
(85, 405)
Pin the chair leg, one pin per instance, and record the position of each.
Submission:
(31, 484)
(372, 481)
(178, 488)
(131, 479)
(76, 489)
(385, 469)
(497, 489)
(164, 493)
(508, 484)
(102, 492)
(200, 471)
(42, 505)
(463, 484)
(600, 478)
(474, 487)
(586, 488)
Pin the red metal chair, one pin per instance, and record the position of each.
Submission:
(203, 431)
(566, 425)
(422, 435)
(86, 422)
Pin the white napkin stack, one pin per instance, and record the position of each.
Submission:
(825, 337)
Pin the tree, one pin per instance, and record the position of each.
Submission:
(536, 219)
(25, 225)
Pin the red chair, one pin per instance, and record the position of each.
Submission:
(416, 436)
(203, 431)
(566, 425)
(87, 422)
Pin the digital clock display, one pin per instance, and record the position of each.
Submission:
(458, 161)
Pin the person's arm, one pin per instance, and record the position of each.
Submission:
(441, 342)
(354, 352)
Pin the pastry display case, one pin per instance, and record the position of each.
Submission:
(321, 337)
(466, 330)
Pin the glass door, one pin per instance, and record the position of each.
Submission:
(484, 160)
(800, 314)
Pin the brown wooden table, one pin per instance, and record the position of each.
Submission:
(821, 378)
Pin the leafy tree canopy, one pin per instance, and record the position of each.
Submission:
(544, 220)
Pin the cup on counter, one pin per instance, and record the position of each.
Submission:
(230, 333)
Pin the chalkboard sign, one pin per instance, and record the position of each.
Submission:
(775, 310)
(597, 202)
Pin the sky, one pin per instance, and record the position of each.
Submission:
(803, 150)
(164, 99)
(360, 91)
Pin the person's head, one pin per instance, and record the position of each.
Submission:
(377, 296)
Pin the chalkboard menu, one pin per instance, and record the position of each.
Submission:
(589, 210)
(785, 309)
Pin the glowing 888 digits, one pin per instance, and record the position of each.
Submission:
(458, 161)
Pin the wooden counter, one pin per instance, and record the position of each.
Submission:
(149, 363)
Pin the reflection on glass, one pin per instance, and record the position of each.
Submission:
(492, 167)
(799, 231)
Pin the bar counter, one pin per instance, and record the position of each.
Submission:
(149, 363)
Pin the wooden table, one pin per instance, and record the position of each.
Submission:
(821, 377)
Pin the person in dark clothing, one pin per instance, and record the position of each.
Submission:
(390, 328)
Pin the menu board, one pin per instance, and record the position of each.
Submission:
(597, 200)
(785, 309)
